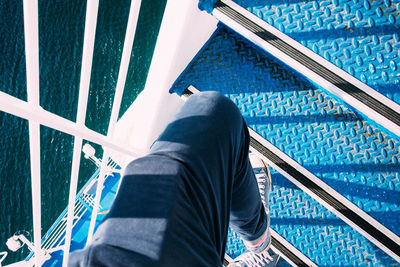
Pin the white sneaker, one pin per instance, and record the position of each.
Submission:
(252, 259)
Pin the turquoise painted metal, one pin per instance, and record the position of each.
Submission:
(362, 37)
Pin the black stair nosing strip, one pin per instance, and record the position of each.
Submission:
(328, 198)
(186, 93)
(287, 253)
(225, 263)
(311, 64)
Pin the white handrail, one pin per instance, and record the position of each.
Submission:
(125, 58)
(87, 58)
(31, 32)
(22, 109)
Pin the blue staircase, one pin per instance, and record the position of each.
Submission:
(336, 171)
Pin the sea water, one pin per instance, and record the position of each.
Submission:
(61, 31)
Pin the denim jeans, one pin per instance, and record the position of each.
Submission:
(174, 205)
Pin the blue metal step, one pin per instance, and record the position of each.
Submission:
(343, 149)
(337, 82)
(316, 232)
(362, 37)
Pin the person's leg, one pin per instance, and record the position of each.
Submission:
(248, 217)
(173, 206)
(218, 153)
(247, 212)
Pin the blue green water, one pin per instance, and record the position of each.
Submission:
(61, 29)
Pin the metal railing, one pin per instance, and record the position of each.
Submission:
(37, 116)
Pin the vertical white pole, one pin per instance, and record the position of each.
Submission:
(86, 68)
(72, 195)
(125, 58)
(34, 148)
(31, 32)
(99, 190)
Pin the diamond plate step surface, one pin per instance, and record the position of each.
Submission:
(314, 230)
(361, 37)
(345, 151)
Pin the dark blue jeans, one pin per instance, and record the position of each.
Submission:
(174, 205)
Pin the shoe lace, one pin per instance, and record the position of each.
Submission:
(251, 259)
(262, 186)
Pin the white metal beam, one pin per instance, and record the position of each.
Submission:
(184, 31)
(31, 32)
(86, 67)
(22, 109)
(125, 58)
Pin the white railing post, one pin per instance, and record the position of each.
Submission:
(125, 58)
(31, 32)
(86, 68)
